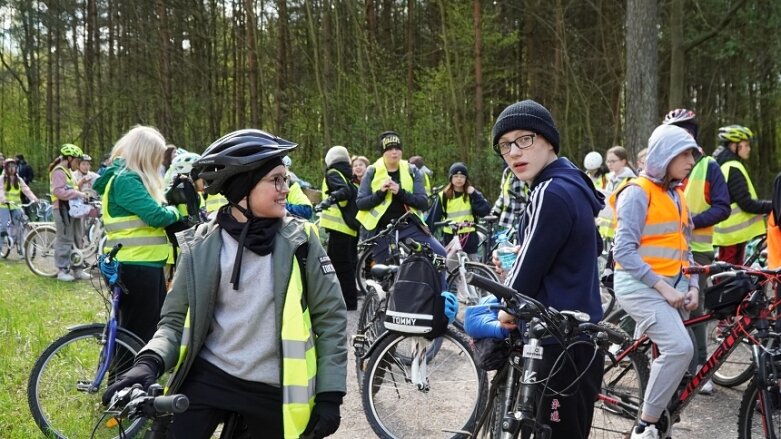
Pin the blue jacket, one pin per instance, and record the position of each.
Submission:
(717, 195)
(557, 262)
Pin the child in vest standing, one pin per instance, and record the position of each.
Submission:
(651, 247)
(460, 202)
(134, 215)
(11, 189)
(69, 229)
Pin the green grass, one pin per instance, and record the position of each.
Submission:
(34, 311)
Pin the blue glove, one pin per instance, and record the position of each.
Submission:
(451, 306)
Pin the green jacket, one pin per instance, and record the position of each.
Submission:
(195, 286)
(134, 199)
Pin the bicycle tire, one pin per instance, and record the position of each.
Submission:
(39, 250)
(58, 408)
(478, 268)
(623, 388)
(739, 365)
(608, 298)
(370, 325)
(5, 247)
(362, 270)
(752, 406)
(395, 407)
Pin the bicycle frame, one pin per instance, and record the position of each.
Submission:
(742, 325)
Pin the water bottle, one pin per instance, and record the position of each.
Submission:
(505, 252)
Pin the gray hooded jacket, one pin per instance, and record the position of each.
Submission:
(665, 143)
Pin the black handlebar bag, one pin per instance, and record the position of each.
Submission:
(415, 305)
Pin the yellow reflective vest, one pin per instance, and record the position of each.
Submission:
(14, 196)
(68, 180)
(332, 218)
(663, 243)
(740, 226)
(458, 210)
(702, 238)
(140, 242)
(214, 202)
(370, 218)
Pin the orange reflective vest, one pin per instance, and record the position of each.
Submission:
(663, 243)
(773, 244)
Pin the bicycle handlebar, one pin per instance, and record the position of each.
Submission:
(133, 402)
(501, 291)
(114, 250)
(721, 267)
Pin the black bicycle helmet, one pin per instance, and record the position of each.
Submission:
(236, 153)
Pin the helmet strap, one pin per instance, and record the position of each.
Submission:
(247, 212)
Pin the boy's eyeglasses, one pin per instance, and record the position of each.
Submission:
(522, 142)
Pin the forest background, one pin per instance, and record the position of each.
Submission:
(329, 72)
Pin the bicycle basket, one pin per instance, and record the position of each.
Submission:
(725, 296)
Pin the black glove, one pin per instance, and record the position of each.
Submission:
(145, 371)
(325, 417)
(325, 204)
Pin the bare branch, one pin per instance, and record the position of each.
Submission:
(724, 22)
(13, 72)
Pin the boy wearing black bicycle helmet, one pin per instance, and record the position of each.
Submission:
(557, 258)
(255, 322)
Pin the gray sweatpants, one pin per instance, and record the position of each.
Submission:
(664, 326)
(699, 330)
(70, 231)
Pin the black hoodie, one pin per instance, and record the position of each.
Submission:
(557, 263)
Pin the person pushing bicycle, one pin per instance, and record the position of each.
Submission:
(557, 260)
(11, 189)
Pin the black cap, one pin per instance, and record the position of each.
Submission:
(527, 115)
(389, 139)
(458, 168)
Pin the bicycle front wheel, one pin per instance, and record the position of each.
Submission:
(623, 387)
(39, 251)
(371, 324)
(756, 407)
(436, 397)
(55, 392)
(739, 366)
(5, 246)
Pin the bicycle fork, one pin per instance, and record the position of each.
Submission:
(520, 417)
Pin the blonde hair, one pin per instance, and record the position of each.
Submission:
(360, 158)
(142, 149)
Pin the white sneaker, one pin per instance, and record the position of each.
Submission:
(707, 388)
(64, 276)
(81, 275)
(650, 432)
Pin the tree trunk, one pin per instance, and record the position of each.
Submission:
(252, 63)
(410, 55)
(479, 105)
(282, 58)
(677, 61)
(642, 80)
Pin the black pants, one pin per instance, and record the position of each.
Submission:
(214, 395)
(139, 309)
(343, 251)
(570, 413)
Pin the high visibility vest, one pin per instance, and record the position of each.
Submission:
(459, 210)
(332, 218)
(702, 238)
(370, 218)
(297, 195)
(663, 243)
(606, 217)
(214, 202)
(740, 226)
(140, 242)
(773, 244)
(14, 196)
(68, 180)
(299, 357)
(427, 183)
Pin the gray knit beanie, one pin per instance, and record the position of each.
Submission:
(337, 154)
(527, 115)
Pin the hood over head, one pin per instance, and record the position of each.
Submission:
(666, 142)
